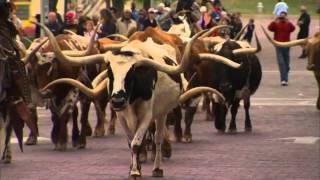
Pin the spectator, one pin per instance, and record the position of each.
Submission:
(95, 19)
(79, 12)
(134, 12)
(161, 13)
(37, 30)
(205, 18)
(17, 22)
(108, 24)
(167, 3)
(282, 29)
(141, 19)
(150, 21)
(249, 32)
(125, 25)
(53, 24)
(81, 25)
(89, 26)
(70, 22)
(236, 23)
(303, 23)
(281, 6)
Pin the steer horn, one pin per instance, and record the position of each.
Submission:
(34, 51)
(85, 52)
(208, 33)
(173, 69)
(198, 90)
(120, 36)
(249, 50)
(283, 44)
(92, 93)
(226, 61)
(75, 61)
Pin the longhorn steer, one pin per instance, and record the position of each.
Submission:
(313, 50)
(44, 68)
(141, 89)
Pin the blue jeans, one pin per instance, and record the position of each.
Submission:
(283, 57)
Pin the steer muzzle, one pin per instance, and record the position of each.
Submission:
(119, 101)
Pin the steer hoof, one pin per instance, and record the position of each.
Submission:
(99, 132)
(233, 130)
(157, 172)
(135, 177)
(111, 131)
(135, 174)
(248, 129)
(32, 140)
(166, 149)
(60, 147)
(188, 138)
(88, 130)
(7, 159)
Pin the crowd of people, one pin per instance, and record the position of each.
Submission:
(131, 20)
(212, 13)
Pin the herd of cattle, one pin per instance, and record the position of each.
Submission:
(147, 79)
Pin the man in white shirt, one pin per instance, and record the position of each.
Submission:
(281, 6)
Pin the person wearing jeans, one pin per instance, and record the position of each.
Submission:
(283, 57)
(282, 29)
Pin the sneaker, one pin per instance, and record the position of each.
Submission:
(284, 83)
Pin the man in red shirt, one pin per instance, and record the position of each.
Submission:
(282, 29)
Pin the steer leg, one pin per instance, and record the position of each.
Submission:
(177, 123)
(234, 111)
(75, 128)
(142, 128)
(55, 130)
(112, 123)
(220, 114)
(33, 138)
(100, 111)
(7, 155)
(248, 126)
(63, 133)
(85, 107)
(160, 125)
(189, 115)
(206, 103)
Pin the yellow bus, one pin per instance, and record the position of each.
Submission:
(27, 9)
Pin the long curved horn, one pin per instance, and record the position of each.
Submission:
(213, 40)
(226, 61)
(208, 33)
(29, 55)
(240, 33)
(66, 31)
(92, 93)
(89, 48)
(283, 44)
(99, 78)
(75, 61)
(120, 36)
(198, 90)
(113, 47)
(172, 69)
(249, 50)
